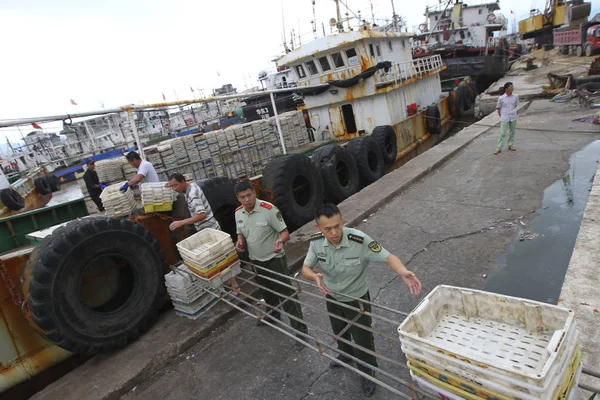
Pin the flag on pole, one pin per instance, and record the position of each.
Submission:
(36, 126)
(73, 102)
(164, 98)
(511, 11)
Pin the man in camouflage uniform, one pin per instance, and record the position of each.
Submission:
(261, 229)
(344, 255)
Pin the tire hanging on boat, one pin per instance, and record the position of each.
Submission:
(42, 185)
(54, 182)
(220, 194)
(95, 284)
(434, 120)
(453, 104)
(323, 154)
(385, 137)
(339, 173)
(464, 97)
(12, 199)
(296, 187)
(368, 157)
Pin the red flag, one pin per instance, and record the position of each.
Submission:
(36, 126)
(192, 89)
(164, 98)
(511, 11)
(73, 102)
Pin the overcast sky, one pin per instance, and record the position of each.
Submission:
(118, 52)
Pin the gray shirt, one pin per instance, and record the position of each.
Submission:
(197, 204)
(508, 107)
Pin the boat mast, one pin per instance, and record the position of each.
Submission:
(340, 25)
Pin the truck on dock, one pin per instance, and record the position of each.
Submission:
(583, 40)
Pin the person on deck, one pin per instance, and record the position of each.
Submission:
(145, 171)
(507, 110)
(93, 185)
(201, 215)
(344, 255)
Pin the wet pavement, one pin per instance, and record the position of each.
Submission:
(457, 226)
(544, 247)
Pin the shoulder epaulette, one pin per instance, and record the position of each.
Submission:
(266, 205)
(317, 236)
(239, 208)
(356, 238)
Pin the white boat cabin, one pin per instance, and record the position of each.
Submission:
(354, 81)
(461, 24)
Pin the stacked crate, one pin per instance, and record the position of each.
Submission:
(128, 171)
(111, 170)
(466, 343)
(189, 142)
(153, 157)
(210, 256)
(157, 196)
(215, 167)
(179, 149)
(189, 298)
(116, 202)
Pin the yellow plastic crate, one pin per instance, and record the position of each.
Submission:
(471, 390)
(215, 268)
(158, 207)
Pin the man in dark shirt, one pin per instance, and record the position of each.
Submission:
(92, 183)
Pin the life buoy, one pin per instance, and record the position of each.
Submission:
(491, 18)
(422, 27)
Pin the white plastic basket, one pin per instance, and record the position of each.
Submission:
(202, 247)
(117, 202)
(504, 339)
(156, 192)
(219, 279)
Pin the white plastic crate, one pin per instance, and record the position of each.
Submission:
(219, 279)
(204, 246)
(200, 312)
(156, 192)
(513, 342)
(116, 202)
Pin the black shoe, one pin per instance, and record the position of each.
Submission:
(299, 345)
(368, 387)
(344, 359)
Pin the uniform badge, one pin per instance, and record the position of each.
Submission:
(321, 259)
(356, 238)
(375, 247)
(240, 221)
(279, 216)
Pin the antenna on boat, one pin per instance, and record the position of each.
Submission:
(340, 24)
(285, 47)
(314, 21)
(372, 12)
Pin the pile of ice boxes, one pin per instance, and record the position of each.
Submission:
(210, 255)
(157, 196)
(469, 344)
(189, 298)
(116, 202)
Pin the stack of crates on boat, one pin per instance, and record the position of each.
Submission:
(470, 344)
(116, 202)
(110, 170)
(210, 256)
(179, 150)
(157, 196)
(189, 298)
(231, 133)
(189, 142)
(128, 171)
(214, 149)
(167, 155)
(153, 157)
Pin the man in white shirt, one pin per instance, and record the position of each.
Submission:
(145, 170)
(507, 110)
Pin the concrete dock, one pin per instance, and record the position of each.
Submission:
(454, 214)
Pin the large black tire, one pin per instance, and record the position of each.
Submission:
(588, 50)
(12, 199)
(385, 137)
(41, 185)
(220, 194)
(296, 187)
(473, 90)
(340, 175)
(79, 302)
(454, 105)
(369, 159)
(464, 97)
(434, 120)
(54, 182)
(323, 154)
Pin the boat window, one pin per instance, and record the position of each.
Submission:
(324, 63)
(312, 67)
(300, 72)
(351, 55)
(480, 10)
(378, 50)
(338, 61)
(349, 121)
(390, 45)
(436, 17)
(371, 50)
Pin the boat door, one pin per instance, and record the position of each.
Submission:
(337, 123)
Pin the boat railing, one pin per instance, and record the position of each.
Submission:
(403, 71)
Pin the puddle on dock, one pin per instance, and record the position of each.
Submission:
(535, 269)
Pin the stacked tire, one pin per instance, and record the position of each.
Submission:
(369, 159)
(296, 188)
(12, 199)
(338, 171)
